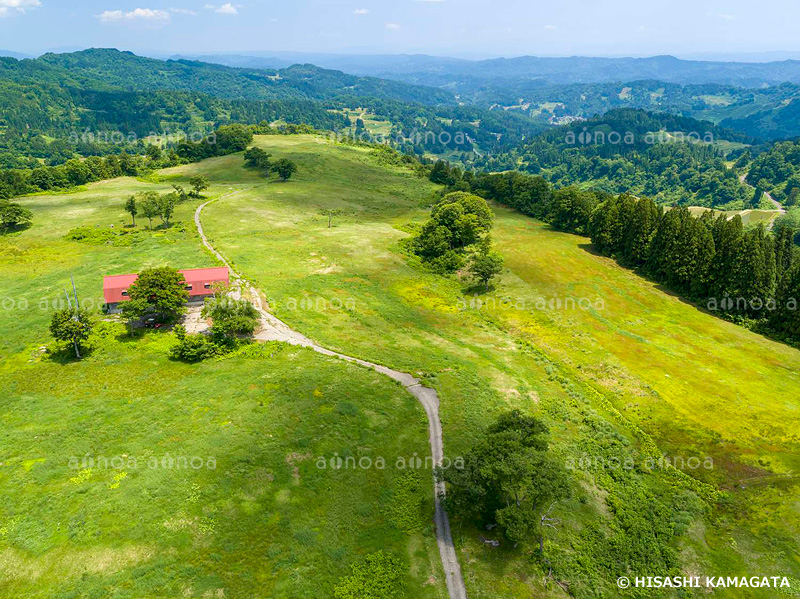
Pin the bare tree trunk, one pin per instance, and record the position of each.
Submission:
(77, 352)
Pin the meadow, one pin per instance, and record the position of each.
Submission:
(699, 387)
(128, 475)
(615, 365)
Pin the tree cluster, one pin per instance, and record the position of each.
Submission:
(509, 478)
(232, 319)
(259, 159)
(745, 273)
(459, 223)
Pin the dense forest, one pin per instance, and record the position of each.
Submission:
(669, 158)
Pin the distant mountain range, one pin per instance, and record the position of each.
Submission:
(17, 55)
(458, 73)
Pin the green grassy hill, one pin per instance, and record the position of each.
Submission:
(85, 510)
(633, 374)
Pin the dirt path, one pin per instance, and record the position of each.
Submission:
(274, 329)
(776, 203)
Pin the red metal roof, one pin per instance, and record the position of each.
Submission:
(203, 275)
(114, 286)
(119, 281)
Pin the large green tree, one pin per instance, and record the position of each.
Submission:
(199, 184)
(13, 215)
(230, 318)
(509, 478)
(459, 220)
(285, 168)
(160, 291)
(485, 265)
(148, 203)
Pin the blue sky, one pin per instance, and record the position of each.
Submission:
(445, 27)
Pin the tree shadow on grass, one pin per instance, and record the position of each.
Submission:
(64, 354)
(478, 289)
(12, 231)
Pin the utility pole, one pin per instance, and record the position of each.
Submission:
(75, 313)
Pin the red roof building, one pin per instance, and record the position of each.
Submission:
(199, 283)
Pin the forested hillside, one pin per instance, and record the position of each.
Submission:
(63, 96)
(112, 69)
(778, 171)
(669, 158)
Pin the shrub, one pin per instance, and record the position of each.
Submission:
(379, 576)
(192, 348)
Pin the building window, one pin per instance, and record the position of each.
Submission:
(208, 285)
(124, 294)
(188, 288)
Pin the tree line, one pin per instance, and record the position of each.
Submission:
(75, 172)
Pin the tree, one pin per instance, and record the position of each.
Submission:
(257, 158)
(166, 206)
(153, 153)
(285, 168)
(160, 291)
(130, 208)
(330, 214)
(508, 478)
(458, 220)
(199, 183)
(786, 319)
(485, 266)
(233, 138)
(71, 325)
(13, 215)
(440, 172)
(181, 192)
(230, 318)
(572, 210)
(755, 270)
(150, 205)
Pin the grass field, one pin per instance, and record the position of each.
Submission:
(86, 512)
(636, 363)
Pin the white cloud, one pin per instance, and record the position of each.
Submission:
(141, 15)
(550, 27)
(360, 11)
(227, 9)
(182, 11)
(8, 7)
(726, 17)
(392, 26)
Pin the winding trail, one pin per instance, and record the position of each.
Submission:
(776, 203)
(274, 329)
